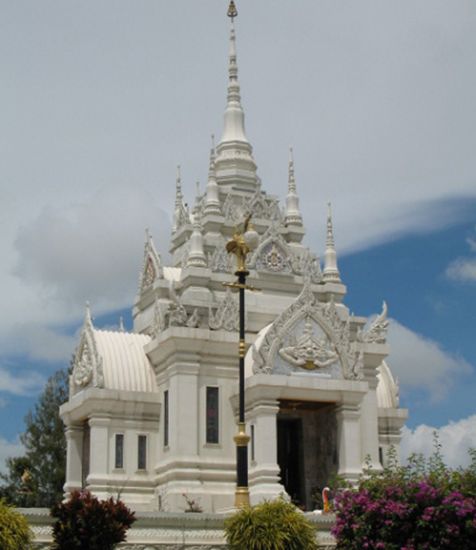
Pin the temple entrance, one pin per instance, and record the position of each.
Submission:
(307, 449)
(290, 457)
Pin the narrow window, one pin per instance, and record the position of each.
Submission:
(252, 442)
(119, 454)
(380, 455)
(166, 418)
(142, 452)
(212, 415)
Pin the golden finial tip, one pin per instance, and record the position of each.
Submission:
(232, 11)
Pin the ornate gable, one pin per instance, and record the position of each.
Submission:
(311, 336)
(273, 253)
(87, 363)
(152, 265)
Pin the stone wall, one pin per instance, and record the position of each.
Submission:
(165, 531)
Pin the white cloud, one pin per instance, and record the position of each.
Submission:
(24, 383)
(66, 255)
(471, 243)
(421, 363)
(456, 438)
(90, 251)
(9, 449)
(462, 269)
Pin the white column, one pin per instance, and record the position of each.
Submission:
(99, 454)
(369, 415)
(184, 415)
(264, 470)
(348, 440)
(74, 452)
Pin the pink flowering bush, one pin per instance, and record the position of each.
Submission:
(421, 506)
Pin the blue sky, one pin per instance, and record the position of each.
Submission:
(101, 101)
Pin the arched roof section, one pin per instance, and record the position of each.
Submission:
(125, 364)
(387, 388)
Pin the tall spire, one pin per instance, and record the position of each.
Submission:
(292, 213)
(212, 202)
(331, 272)
(181, 216)
(234, 152)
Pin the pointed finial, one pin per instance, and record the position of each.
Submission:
(291, 180)
(197, 189)
(121, 324)
(88, 320)
(292, 212)
(331, 271)
(212, 200)
(330, 230)
(232, 11)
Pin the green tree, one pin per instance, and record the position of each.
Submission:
(37, 478)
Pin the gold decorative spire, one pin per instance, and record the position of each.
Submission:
(232, 11)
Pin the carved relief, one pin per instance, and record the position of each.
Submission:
(151, 267)
(181, 217)
(308, 351)
(83, 369)
(219, 260)
(377, 333)
(226, 315)
(172, 313)
(87, 363)
(292, 338)
(308, 265)
(236, 208)
(272, 253)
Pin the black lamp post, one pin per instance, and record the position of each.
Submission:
(240, 245)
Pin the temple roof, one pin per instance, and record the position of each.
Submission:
(387, 388)
(125, 364)
(113, 360)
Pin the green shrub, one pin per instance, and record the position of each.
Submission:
(273, 525)
(85, 523)
(14, 531)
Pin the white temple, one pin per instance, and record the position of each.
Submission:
(152, 413)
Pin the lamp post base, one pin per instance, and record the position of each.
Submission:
(242, 497)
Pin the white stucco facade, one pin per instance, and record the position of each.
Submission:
(152, 413)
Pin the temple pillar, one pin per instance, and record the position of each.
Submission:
(99, 457)
(262, 452)
(74, 452)
(348, 440)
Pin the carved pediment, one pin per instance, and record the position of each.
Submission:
(87, 363)
(272, 253)
(152, 265)
(309, 335)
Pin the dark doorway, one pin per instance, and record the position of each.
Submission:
(307, 449)
(290, 457)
